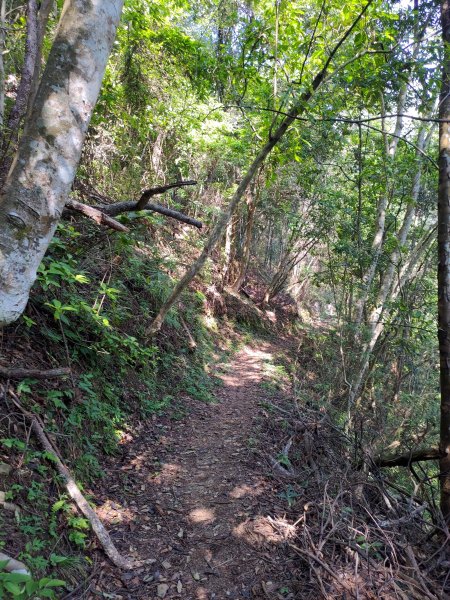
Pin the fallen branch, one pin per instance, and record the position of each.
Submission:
(404, 460)
(192, 343)
(103, 213)
(320, 562)
(405, 519)
(13, 373)
(284, 471)
(147, 194)
(124, 207)
(13, 565)
(96, 215)
(74, 491)
(118, 208)
(173, 214)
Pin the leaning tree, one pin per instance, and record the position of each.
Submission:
(43, 170)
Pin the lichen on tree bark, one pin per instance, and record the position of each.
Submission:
(43, 170)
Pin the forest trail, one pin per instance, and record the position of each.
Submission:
(197, 498)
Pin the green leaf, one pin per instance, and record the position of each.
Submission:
(13, 588)
(49, 582)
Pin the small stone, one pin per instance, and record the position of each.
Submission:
(179, 586)
(163, 588)
(196, 576)
(166, 564)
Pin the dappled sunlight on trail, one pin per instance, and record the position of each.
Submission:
(202, 505)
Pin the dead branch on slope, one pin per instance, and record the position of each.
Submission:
(104, 213)
(74, 491)
(96, 215)
(18, 373)
(405, 460)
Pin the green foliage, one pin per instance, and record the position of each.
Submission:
(19, 586)
(192, 91)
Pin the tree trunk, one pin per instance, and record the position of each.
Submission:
(45, 7)
(444, 263)
(252, 202)
(390, 289)
(43, 170)
(2, 64)
(11, 131)
(387, 284)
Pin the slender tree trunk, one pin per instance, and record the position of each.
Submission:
(42, 173)
(387, 284)
(2, 63)
(229, 252)
(252, 202)
(45, 7)
(222, 221)
(444, 263)
(391, 150)
(376, 323)
(19, 109)
(378, 239)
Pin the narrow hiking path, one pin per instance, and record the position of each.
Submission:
(198, 499)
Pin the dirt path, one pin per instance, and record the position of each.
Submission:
(197, 499)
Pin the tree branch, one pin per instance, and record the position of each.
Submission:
(143, 204)
(117, 208)
(96, 215)
(147, 194)
(174, 214)
(74, 491)
(404, 460)
(13, 373)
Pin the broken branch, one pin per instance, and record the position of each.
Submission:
(99, 216)
(74, 491)
(13, 565)
(404, 460)
(123, 207)
(14, 373)
(147, 194)
(117, 208)
(174, 214)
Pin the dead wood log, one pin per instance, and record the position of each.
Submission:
(13, 565)
(17, 373)
(96, 215)
(404, 460)
(74, 491)
(192, 343)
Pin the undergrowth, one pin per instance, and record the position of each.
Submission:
(96, 295)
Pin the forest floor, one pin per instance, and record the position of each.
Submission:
(197, 497)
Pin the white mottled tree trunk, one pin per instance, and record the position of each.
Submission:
(43, 170)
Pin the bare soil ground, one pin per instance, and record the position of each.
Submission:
(197, 497)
